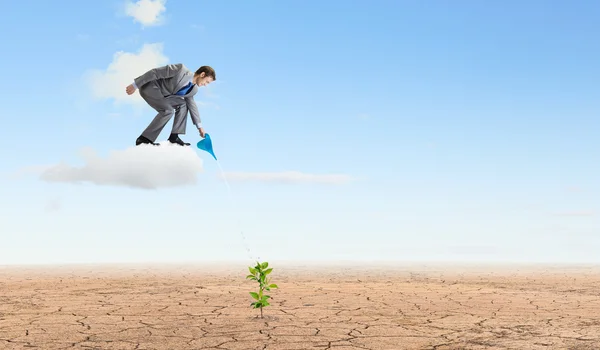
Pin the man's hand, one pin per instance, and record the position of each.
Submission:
(130, 89)
(201, 130)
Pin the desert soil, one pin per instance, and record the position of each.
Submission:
(337, 308)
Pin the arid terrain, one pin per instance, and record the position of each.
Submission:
(339, 308)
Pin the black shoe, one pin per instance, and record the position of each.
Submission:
(144, 140)
(175, 139)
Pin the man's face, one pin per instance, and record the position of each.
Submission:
(203, 80)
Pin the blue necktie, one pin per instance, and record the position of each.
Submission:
(184, 90)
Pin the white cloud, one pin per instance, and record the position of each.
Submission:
(288, 177)
(26, 171)
(146, 12)
(145, 166)
(126, 66)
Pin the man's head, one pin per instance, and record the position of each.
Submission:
(204, 76)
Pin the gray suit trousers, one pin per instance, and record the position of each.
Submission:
(166, 107)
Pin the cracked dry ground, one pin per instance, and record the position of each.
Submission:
(337, 308)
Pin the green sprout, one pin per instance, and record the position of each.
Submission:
(259, 273)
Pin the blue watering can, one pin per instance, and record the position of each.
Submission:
(206, 145)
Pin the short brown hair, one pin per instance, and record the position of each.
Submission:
(208, 71)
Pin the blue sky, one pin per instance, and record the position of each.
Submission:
(468, 130)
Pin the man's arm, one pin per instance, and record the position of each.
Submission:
(163, 72)
(193, 108)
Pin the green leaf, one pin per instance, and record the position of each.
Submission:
(255, 295)
(251, 276)
(268, 271)
(266, 303)
(252, 271)
(265, 297)
(264, 265)
(273, 285)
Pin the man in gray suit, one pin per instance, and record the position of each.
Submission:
(170, 90)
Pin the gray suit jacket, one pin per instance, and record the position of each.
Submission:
(170, 79)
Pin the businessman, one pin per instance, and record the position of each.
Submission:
(170, 91)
